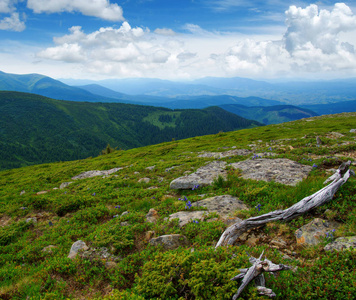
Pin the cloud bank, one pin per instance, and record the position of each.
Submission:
(102, 9)
(313, 43)
(97, 8)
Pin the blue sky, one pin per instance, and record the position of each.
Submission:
(178, 39)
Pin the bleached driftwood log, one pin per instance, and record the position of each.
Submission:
(319, 198)
(256, 273)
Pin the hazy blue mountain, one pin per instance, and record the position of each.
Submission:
(48, 87)
(290, 92)
(271, 114)
(333, 108)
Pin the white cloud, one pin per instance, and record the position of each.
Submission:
(97, 8)
(12, 23)
(165, 31)
(7, 6)
(315, 43)
(311, 45)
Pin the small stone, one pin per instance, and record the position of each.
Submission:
(150, 168)
(145, 180)
(149, 235)
(22, 192)
(171, 241)
(279, 243)
(76, 247)
(125, 213)
(64, 185)
(353, 131)
(152, 216)
(313, 232)
(110, 265)
(49, 248)
(41, 192)
(124, 224)
(34, 220)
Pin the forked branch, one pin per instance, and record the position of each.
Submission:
(319, 198)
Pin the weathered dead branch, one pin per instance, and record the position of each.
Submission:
(256, 273)
(319, 198)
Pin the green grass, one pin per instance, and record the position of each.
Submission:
(85, 211)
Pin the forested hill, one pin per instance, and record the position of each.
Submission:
(36, 129)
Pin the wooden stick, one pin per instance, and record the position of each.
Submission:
(319, 198)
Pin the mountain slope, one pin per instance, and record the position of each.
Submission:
(35, 129)
(271, 114)
(44, 211)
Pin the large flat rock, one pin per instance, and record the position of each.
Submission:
(280, 170)
(204, 176)
(223, 205)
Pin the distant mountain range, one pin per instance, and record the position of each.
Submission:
(270, 114)
(36, 129)
(294, 93)
(321, 97)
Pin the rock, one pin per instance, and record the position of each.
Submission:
(124, 224)
(318, 141)
(95, 173)
(152, 216)
(313, 232)
(153, 188)
(353, 131)
(22, 192)
(76, 247)
(335, 135)
(204, 176)
(49, 249)
(342, 243)
(125, 213)
(5, 221)
(41, 192)
(185, 217)
(64, 185)
(278, 242)
(171, 168)
(145, 180)
(150, 168)
(280, 170)
(230, 221)
(170, 242)
(98, 254)
(110, 265)
(34, 220)
(223, 205)
(252, 241)
(218, 155)
(149, 235)
(136, 173)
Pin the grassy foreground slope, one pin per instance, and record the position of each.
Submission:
(91, 210)
(36, 129)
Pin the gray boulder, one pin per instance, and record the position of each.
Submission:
(342, 243)
(170, 242)
(204, 176)
(280, 170)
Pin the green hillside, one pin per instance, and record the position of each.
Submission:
(35, 129)
(109, 214)
(270, 115)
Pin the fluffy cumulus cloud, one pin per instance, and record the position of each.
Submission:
(97, 8)
(12, 23)
(311, 44)
(125, 51)
(315, 41)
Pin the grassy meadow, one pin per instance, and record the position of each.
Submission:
(91, 210)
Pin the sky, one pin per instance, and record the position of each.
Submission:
(178, 39)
